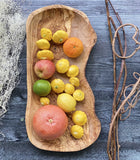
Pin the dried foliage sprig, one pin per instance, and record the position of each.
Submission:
(12, 36)
(113, 141)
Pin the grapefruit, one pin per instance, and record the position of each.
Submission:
(50, 122)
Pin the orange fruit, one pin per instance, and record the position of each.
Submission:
(73, 47)
(50, 122)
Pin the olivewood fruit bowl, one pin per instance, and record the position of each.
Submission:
(76, 24)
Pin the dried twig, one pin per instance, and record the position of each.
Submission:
(113, 41)
(116, 114)
(112, 151)
(133, 91)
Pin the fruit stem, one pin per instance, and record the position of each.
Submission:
(50, 120)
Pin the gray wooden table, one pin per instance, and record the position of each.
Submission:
(99, 72)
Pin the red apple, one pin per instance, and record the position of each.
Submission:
(44, 69)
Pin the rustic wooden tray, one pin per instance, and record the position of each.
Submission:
(76, 24)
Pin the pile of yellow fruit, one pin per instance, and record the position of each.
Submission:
(68, 95)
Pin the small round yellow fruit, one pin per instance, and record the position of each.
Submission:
(44, 101)
(57, 85)
(74, 81)
(45, 54)
(62, 65)
(78, 95)
(43, 44)
(60, 37)
(69, 88)
(46, 34)
(73, 71)
(66, 102)
(79, 118)
(77, 131)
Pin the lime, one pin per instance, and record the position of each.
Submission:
(42, 87)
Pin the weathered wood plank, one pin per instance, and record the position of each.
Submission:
(99, 73)
(26, 151)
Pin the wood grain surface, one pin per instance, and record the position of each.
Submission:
(99, 73)
(56, 17)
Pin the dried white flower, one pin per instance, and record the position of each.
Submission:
(12, 34)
